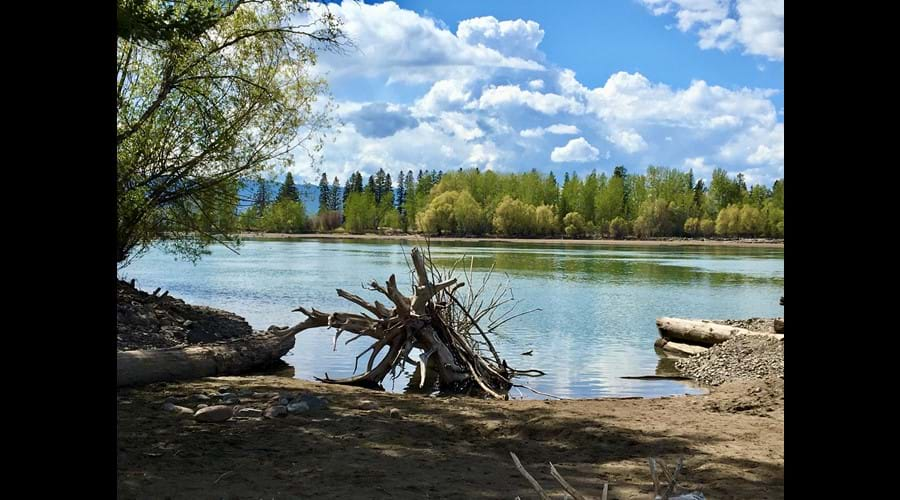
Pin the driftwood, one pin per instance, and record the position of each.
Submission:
(678, 347)
(433, 320)
(702, 332)
(229, 357)
(570, 491)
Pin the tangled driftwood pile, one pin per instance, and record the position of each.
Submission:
(436, 319)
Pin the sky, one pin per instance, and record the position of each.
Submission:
(512, 86)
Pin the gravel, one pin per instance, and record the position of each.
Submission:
(766, 325)
(739, 358)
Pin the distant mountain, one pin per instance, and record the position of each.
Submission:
(309, 195)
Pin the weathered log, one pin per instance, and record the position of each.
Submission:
(779, 325)
(678, 347)
(230, 357)
(702, 332)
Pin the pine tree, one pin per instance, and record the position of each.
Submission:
(335, 201)
(348, 187)
(323, 193)
(371, 188)
(401, 193)
(288, 190)
(379, 185)
(262, 198)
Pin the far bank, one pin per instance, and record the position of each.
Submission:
(755, 243)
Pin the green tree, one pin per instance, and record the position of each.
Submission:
(575, 225)
(618, 227)
(202, 100)
(611, 201)
(284, 216)
(360, 212)
(334, 199)
(323, 192)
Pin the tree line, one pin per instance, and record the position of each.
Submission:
(662, 202)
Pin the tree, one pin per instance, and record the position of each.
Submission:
(202, 100)
(409, 201)
(618, 228)
(360, 212)
(610, 201)
(284, 216)
(323, 193)
(262, 197)
(514, 218)
(335, 200)
(468, 215)
(348, 188)
(401, 193)
(439, 216)
(575, 225)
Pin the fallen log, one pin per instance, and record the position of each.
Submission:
(229, 357)
(702, 332)
(779, 325)
(678, 347)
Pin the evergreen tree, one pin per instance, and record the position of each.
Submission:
(348, 187)
(262, 198)
(401, 193)
(288, 190)
(323, 193)
(335, 201)
(379, 185)
(372, 189)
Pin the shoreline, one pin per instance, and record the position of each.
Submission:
(749, 243)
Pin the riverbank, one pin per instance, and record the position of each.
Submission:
(754, 243)
(732, 442)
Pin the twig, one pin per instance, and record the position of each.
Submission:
(605, 491)
(222, 476)
(534, 483)
(654, 476)
(566, 486)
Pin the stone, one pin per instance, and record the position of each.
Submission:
(297, 407)
(249, 412)
(231, 401)
(227, 395)
(246, 393)
(276, 411)
(224, 389)
(314, 402)
(202, 405)
(395, 413)
(217, 413)
(368, 405)
(200, 397)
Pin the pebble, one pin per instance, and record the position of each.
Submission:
(395, 413)
(224, 389)
(739, 358)
(249, 412)
(297, 407)
(276, 411)
(368, 405)
(314, 402)
(178, 409)
(217, 413)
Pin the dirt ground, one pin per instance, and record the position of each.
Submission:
(732, 442)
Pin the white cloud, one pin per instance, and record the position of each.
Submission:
(549, 104)
(757, 25)
(628, 140)
(405, 47)
(516, 38)
(461, 125)
(536, 84)
(576, 150)
(444, 94)
(559, 129)
(757, 146)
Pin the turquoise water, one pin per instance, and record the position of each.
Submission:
(598, 303)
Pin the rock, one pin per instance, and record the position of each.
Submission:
(297, 407)
(249, 412)
(368, 405)
(217, 413)
(200, 397)
(246, 393)
(227, 395)
(395, 413)
(202, 405)
(284, 401)
(224, 389)
(187, 323)
(314, 402)
(168, 406)
(231, 401)
(276, 411)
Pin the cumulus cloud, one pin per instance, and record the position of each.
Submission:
(405, 47)
(513, 95)
(576, 150)
(628, 140)
(558, 128)
(486, 112)
(514, 38)
(756, 25)
(380, 119)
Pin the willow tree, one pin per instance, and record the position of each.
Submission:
(199, 109)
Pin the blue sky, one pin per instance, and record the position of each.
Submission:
(558, 86)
